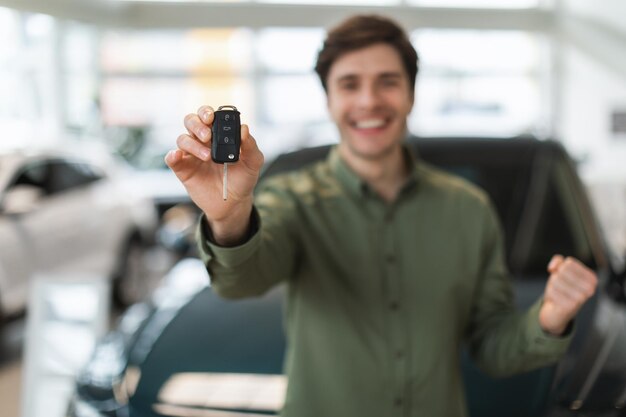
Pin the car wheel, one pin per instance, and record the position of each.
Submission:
(132, 282)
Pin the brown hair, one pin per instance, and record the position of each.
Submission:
(359, 32)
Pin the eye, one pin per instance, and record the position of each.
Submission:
(349, 85)
(389, 82)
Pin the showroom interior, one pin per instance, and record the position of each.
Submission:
(93, 94)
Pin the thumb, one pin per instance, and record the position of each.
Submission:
(555, 262)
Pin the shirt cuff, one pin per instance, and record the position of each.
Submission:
(233, 256)
(542, 341)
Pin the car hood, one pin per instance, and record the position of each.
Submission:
(191, 347)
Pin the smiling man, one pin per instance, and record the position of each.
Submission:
(391, 264)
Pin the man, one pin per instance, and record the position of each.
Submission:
(390, 264)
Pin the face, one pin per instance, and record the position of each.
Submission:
(369, 98)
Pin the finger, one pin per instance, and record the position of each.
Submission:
(197, 128)
(173, 157)
(555, 262)
(250, 150)
(191, 146)
(572, 292)
(579, 276)
(182, 164)
(206, 114)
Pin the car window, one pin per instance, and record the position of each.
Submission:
(66, 175)
(56, 176)
(538, 207)
(34, 174)
(560, 227)
(557, 225)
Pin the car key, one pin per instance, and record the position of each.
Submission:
(226, 140)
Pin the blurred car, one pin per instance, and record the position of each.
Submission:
(187, 352)
(62, 213)
(153, 179)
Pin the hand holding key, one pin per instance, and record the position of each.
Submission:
(203, 178)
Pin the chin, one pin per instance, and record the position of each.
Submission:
(370, 151)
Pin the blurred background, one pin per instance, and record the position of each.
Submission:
(97, 90)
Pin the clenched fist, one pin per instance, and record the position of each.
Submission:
(570, 285)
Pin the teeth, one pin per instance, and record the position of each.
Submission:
(369, 124)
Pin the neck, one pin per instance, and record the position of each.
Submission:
(385, 174)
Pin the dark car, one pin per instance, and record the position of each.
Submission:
(191, 353)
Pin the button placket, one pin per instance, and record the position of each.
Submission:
(397, 326)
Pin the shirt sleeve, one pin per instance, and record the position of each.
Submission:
(502, 340)
(266, 258)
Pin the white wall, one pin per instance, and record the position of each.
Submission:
(611, 13)
(592, 84)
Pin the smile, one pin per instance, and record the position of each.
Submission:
(370, 123)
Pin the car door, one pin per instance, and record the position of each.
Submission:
(64, 228)
(16, 252)
(594, 373)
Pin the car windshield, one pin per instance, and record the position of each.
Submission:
(533, 194)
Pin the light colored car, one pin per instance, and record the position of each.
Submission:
(63, 213)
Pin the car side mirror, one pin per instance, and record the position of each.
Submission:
(21, 199)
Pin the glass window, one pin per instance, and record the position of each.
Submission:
(215, 51)
(289, 50)
(479, 83)
(472, 51)
(495, 4)
(293, 99)
(65, 176)
(26, 79)
(476, 105)
(146, 101)
(153, 78)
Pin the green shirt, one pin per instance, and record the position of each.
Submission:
(381, 296)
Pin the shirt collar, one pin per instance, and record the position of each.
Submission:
(356, 185)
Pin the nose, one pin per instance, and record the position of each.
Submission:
(368, 97)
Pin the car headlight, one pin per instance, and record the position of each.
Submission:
(101, 380)
(79, 408)
(107, 376)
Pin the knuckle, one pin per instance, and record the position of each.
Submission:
(189, 118)
(204, 108)
(181, 140)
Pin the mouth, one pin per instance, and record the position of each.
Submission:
(371, 125)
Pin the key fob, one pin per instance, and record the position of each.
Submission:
(226, 131)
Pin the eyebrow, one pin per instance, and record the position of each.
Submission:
(385, 75)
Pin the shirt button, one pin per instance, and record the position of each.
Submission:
(399, 354)
(393, 305)
(397, 402)
(391, 259)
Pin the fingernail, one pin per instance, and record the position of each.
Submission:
(205, 154)
(204, 133)
(552, 263)
(205, 115)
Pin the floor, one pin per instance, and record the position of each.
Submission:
(11, 343)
